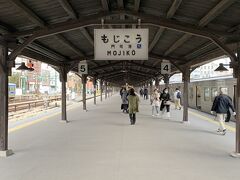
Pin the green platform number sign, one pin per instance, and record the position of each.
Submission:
(165, 68)
(82, 68)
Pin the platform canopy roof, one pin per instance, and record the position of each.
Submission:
(60, 32)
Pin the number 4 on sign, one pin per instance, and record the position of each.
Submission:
(165, 68)
(82, 68)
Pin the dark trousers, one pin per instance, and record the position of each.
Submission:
(132, 118)
(162, 107)
(145, 96)
(228, 116)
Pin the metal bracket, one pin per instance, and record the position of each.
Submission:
(139, 22)
(102, 23)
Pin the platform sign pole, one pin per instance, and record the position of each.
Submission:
(4, 151)
(106, 90)
(63, 79)
(101, 89)
(186, 80)
(237, 75)
(84, 81)
(95, 90)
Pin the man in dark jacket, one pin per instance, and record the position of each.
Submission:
(221, 105)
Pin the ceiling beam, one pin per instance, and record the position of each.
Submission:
(68, 8)
(120, 4)
(144, 66)
(156, 39)
(28, 12)
(145, 19)
(178, 43)
(174, 7)
(70, 45)
(87, 36)
(34, 18)
(105, 5)
(172, 10)
(212, 14)
(106, 66)
(217, 10)
(136, 5)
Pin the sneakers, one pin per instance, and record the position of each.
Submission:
(222, 131)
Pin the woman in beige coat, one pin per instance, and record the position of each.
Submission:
(133, 101)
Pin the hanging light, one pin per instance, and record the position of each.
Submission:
(221, 68)
(23, 67)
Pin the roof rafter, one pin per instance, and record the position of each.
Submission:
(172, 10)
(105, 5)
(213, 13)
(70, 45)
(28, 12)
(120, 4)
(34, 18)
(150, 19)
(136, 5)
(68, 8)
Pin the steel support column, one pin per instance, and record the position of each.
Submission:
(186, 80)
(84, 98)
(237, 99)
(106, 94)
(63, 78)
(4, 151)
(95, 90)
(101, 89)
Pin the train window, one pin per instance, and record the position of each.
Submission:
(206, 94)
(214, 93)
(191, 93)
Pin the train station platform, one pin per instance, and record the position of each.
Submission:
(100, 144)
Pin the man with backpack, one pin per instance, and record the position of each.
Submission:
(221, 105)
(177, 99)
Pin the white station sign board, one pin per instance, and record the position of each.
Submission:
(83, 67)
(121, 44)
(165, 68)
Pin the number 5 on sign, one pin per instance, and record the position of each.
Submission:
(82, 68)
(165, 68)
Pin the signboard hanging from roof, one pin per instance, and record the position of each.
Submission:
(120, 44)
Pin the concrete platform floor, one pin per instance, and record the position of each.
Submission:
(101, 145)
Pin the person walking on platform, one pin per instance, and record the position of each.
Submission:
(165, 98)
(155, 102)
(141, 92)
(133, 101)
(177, 99)
(221, 105)
(124, 106)
(145, 93)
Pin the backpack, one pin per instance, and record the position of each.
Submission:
(178, 95)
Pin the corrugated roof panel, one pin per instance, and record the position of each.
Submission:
(50, 11)
(189, 46)
(14, 17)
(230, 17)
(166, 40)
(80, 41)
(156, 7)
(53, 43)
(86, 7)
(195, 9)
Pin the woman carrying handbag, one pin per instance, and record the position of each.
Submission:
(165, 98)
